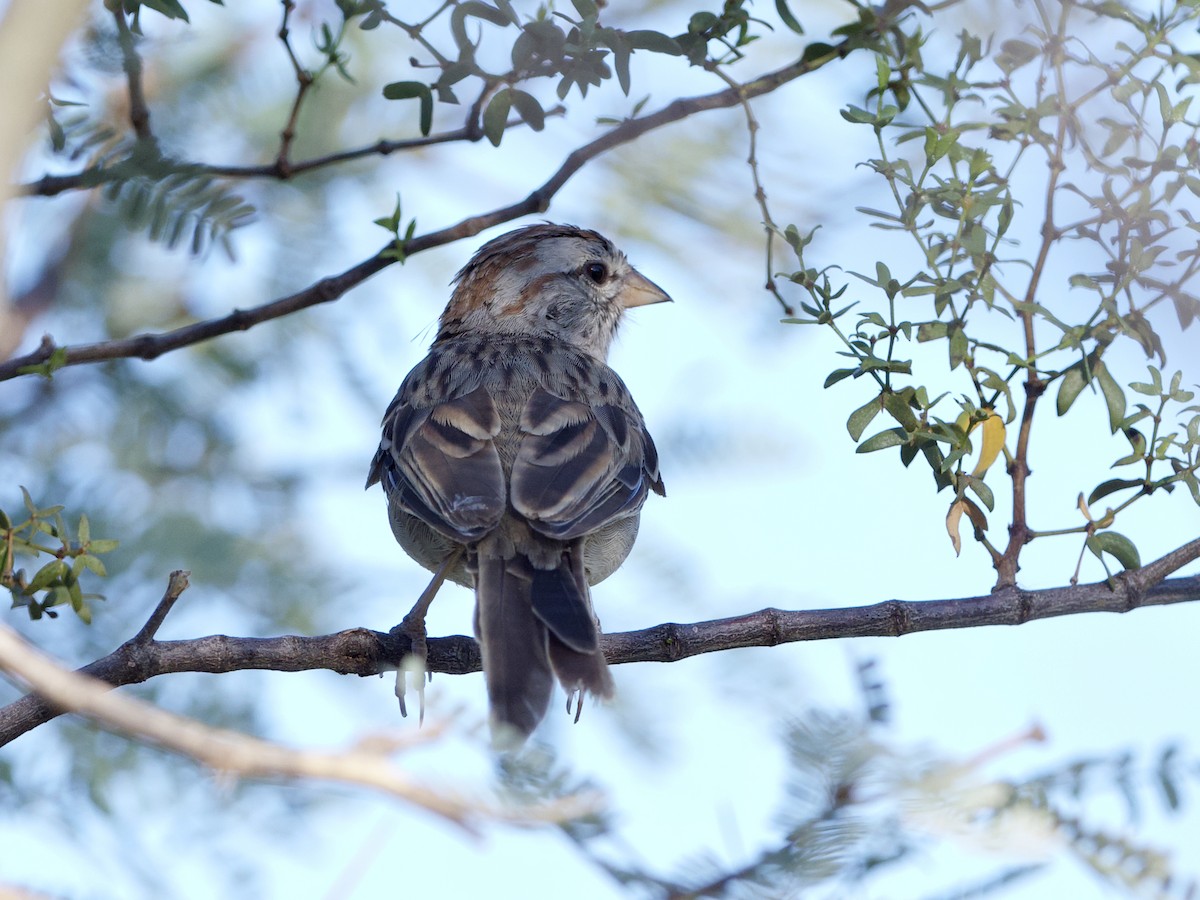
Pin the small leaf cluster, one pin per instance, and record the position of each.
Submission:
(166, 199)
(56, 582)
(172, 9)
(391, 224)
(576, 51)
(1127, 201)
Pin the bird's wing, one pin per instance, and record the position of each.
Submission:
(439, 462)
(581, 465)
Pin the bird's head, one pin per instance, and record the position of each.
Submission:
(555, 280)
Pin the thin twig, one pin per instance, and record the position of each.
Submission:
(760, 195)
(176, 585)
(1019, 533)
(139, 111)
(150, 346)
(304, 81)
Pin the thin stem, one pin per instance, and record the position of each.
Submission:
(1018, 469)
(304, 81)
(139, 111)
(760, 195)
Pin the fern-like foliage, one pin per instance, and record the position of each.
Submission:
(183, 203)
(170, 201)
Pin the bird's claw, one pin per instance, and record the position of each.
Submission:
(577, 697)
(413, 625)
(414, 664)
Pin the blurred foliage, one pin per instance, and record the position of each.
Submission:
(859, 808)
(1100, 95)
(57, 581)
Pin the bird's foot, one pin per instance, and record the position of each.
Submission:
(413, 625)
(413, 663)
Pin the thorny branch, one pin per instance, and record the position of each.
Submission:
(150, 346)
(360, 651)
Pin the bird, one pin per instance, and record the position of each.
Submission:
(516, 463)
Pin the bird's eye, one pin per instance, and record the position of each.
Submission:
(596, 271)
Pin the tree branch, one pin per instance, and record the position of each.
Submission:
(53, 185)
(360, 651)
(230, 753)
(139, 111)
(150, 346)
(304, 82)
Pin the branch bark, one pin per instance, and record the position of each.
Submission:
(360, 651)
(151, 346)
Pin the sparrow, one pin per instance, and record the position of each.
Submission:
(515, 461)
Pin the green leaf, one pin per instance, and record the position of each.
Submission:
(53, 571)
(406, 90)
(1116, 545)
(787, 18)
(587, 9)
(857, 115)
(1004, 219)
(1112, 486)
(816, 51)
(89, 562)
(932, 331)
(529, 109)
(495, 117)
(1154, 388)
(1114, 397)
(1138, 442)
(654, 41)
(959, 348)
(478, 10)
(172, 9)
(983, 492)
(1014, 54)
(1073, 383)
(899, 407)
(861, 417)
(830, 380)
(893, 437)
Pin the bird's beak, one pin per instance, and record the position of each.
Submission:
(639, 290)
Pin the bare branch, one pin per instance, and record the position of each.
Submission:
(139, 111)
(176, 585)
(150, 346)
(760, 194)
(360, 651)
(231, 753)
(304, 82)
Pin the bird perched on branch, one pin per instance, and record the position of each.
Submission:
(516, 462)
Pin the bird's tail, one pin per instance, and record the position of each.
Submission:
(533, 624)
